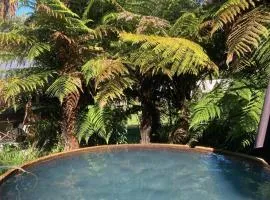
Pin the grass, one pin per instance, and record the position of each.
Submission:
(12, 157)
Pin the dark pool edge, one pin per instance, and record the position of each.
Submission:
(108, 148)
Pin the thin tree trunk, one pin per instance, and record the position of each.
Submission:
(69, 109)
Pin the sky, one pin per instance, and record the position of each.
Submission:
(23, 11)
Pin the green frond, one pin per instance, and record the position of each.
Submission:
(207, 109)
(229, 12)
(14, 38)
(187, 25)
(57, 9)
(37, 49)
(102, 69)
(92, 122)
(248, 32)
(102, 121)
(262, 55)
(112, 89)
(63, 86)
(87, 9)
(173, 56)
(15, 86)
(232, 109)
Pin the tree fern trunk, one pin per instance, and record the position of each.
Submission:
(69, 109)
(145, 127)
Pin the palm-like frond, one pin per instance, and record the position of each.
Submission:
(102, 69)
(14, 38)
(58, 10)
(113, 89)
(102, 121)
(64, 86)
(229, 11)
(262, 55)
(92, 122)
(172, 56)
(187, 25)
(37, 49)
(110, 76)
(248, 32)
(15, 86)
(207, 109)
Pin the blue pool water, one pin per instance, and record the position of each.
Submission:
(140, 175)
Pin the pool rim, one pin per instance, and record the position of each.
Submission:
(108, 148)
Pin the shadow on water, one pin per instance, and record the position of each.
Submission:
(249, 179)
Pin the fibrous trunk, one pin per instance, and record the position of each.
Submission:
(69, 108)
(150, 122)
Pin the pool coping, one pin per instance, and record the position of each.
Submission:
(108, 148)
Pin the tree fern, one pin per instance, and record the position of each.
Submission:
(63, 86)
(113, 89)
(13, 38)
(58, 10)
(172, 56)
(8, 8)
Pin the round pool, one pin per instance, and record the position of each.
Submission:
(137, 172)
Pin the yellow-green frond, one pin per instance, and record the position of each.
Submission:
(15, 86)
(113, 89)
(172, 56)
(229, 11)
(58, 10)
(63, 86)
(102, 69)
(37, 49)
(13, 38)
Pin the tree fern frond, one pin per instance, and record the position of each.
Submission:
(63, 86)
(229, 11)
(55, 8)
(112, 89)
(248, 32)
(207, 109)
(37, 49)
(187, 25)
(262, 55)
(14, 38)
(102, 69)
(87, 9)
(58, 10)
(15, 86)
(92, 122)
(173, 56)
